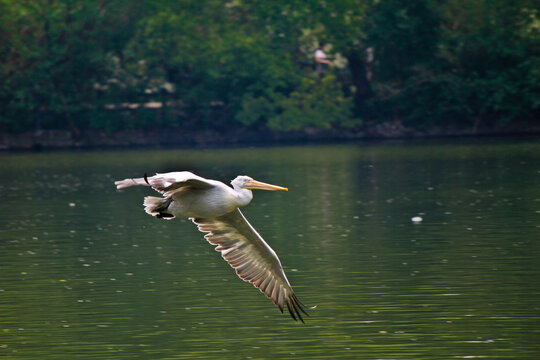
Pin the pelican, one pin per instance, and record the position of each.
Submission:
(215, 208)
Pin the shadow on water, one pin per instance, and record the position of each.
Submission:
(85, 273)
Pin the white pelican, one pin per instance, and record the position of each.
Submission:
(214, 208)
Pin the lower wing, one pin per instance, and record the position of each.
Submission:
(252, 258)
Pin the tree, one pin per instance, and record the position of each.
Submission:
(224, 64)
(490, 60)
(58, 53)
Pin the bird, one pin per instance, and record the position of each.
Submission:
(215, 208)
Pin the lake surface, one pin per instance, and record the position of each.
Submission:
(86, 274)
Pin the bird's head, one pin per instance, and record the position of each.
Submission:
(245, 182)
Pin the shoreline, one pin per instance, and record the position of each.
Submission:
(65, 139)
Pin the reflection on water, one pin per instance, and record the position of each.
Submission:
(85, 273)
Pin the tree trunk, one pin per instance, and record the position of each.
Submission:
(360, 81)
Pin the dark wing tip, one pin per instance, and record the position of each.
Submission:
(296, 308)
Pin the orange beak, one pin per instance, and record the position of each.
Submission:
(254, 184)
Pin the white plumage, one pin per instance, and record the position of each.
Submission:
(214, 208)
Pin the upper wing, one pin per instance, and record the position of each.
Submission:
(254, 261)
(168, 183)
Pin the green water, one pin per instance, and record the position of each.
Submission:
(86, 274)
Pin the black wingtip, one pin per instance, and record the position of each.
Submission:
(301, 306)
(296, 308)
(290, 311)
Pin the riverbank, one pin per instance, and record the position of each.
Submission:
(64, 139)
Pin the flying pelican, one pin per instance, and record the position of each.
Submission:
(214, 208)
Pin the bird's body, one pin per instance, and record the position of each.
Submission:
(188, 204)
(214, 208)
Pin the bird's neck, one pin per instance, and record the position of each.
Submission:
(243, 196)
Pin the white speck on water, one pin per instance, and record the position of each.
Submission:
(417, 219)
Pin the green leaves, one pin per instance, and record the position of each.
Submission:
(315, 103)
(224, 64)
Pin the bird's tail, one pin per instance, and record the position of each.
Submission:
(157, 207)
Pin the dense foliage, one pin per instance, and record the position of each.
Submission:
(217, 64)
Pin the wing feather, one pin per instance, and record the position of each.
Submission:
(252, 258)
(169, 183)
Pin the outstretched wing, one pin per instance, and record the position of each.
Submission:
(252, 258)
(168, 183)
